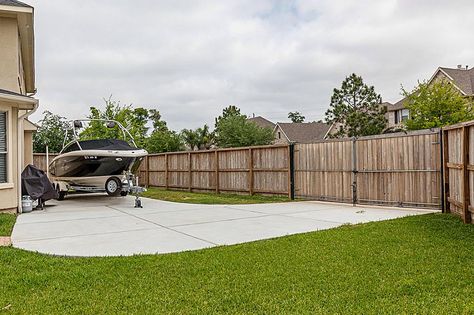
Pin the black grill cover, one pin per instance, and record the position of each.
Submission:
(36, 184)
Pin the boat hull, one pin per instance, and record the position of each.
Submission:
(92, 168)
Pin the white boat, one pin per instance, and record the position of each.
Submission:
(99, 165)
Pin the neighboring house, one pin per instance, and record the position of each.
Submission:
(262, 122)
(300, 132)
(461, 77)
(17, 82)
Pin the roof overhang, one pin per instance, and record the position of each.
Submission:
(25, 18)
(18, 101)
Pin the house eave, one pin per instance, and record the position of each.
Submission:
(21, 102)
(16, 9)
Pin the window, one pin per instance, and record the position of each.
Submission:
(405, 113)
(401, 115)
(3, 147)
(279, 135)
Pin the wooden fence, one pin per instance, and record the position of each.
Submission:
(263, 170)
(399, 170)
(39, 160)
(458, 155)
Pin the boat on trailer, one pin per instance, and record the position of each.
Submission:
(97, 165)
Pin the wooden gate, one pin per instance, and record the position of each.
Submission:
(458, 153)
(399, 169)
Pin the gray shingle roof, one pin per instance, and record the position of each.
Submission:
(464, 79)
(262, 122)
(398, 105)
(14, 3)
(305, 132)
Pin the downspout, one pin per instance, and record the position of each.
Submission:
(20, 153)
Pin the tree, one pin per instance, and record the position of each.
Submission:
(51, 132)
(161, 140)
(237, 131)
(133, 119)
(199, 139)
(296, 117)
(356, 109)
(155, 117)
(436, 105)
(190, 138)
(229, 111)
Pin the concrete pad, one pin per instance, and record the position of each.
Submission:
(285, 207)
(154, 241)
(355, 215)
(252, 229)
(98, 225)
(157, 206)
(78, 227)
(196, 216)
(86, 213)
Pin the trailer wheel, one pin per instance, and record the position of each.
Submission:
(61, 194)
(113, 186)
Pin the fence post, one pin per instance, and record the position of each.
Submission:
(291, 171)
(190, 172)
(354, 171)
(147, 170)
(441, 179)
(250, 173)
(446, 206)
(166, 170)
(465, 173)
(216, 157)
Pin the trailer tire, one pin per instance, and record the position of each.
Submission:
(113, 186)
(61, 194)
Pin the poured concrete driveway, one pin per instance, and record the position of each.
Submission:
(97, 225)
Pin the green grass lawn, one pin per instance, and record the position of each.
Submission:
(420, 264)
(209, 198)
(6, 224)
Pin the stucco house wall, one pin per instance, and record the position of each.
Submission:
(29, 130)
(16, 80)
(9, 52)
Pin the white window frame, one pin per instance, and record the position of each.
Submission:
(9, 159)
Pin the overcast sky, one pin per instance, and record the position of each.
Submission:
(189, 59)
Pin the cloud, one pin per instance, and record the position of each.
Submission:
(189, 59)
